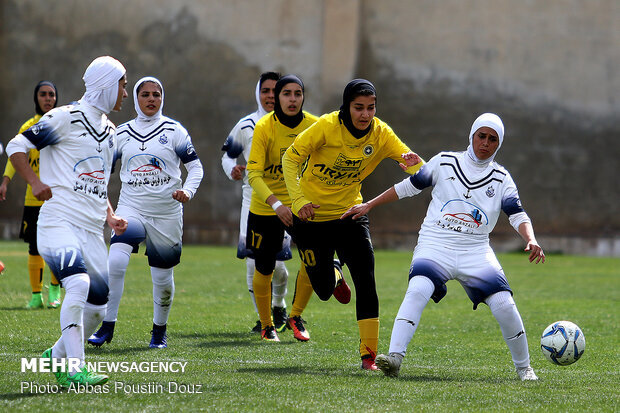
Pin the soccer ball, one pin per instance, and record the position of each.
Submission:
(563, 343)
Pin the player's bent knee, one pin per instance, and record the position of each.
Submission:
(324, 295)
(265, 267)
(98, 291)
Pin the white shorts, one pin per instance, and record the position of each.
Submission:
(477, 270)
(163, 236)
(69, 250)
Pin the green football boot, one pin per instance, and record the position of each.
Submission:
(61, 376)
(54, 296)
(36, 302)
(86, 377)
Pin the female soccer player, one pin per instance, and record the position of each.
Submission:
(151, 148)
(270, 212)
(324, 169)
(45, 99)
(469, 192)
(76, 144)
(238, 144)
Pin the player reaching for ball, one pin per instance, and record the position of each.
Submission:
(469, 192)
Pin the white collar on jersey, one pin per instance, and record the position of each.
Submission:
(101, 80)
(141, 116)
(489, 120)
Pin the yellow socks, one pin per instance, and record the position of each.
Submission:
(369, 336)
(54, 280)
(262, 293)
(35, 270)
(303, 292)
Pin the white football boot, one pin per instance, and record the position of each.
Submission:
(526, 373)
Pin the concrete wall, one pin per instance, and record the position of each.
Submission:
(549, 68)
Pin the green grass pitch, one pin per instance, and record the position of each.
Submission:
(457, 360)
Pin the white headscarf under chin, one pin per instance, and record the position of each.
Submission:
(490, 120)
(141, 116)
(101, 80)
(261, 111)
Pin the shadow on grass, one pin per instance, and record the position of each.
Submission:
(18, 396)
(425, 378)
(227, 339)
(223, 335)
(346, 372)
(238, 343)
(21, 309)
(118, 350)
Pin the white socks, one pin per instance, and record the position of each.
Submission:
(249, 264)
(501, 304)
(279, 284)
(163, 284)
(505, 312)
(163, 294)
(118, 260)
(418, 293)
(93, 316)
(71, 342)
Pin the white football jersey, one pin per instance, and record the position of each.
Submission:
(239, 142)
(151, 154)
(77, 144)
(466, 201)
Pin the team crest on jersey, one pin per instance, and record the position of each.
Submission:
(163, 139)
(490, 192)
(190, 149)
(368, 150)
(35, 129)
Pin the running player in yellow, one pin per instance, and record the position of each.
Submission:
(324, 169)
(45, 99)
(270, 213)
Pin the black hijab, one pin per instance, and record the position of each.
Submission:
(354, 88)
(37, 108)
(290, 121)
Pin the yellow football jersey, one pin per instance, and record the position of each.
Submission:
(334, 163)
(270, 141)
(33, 160)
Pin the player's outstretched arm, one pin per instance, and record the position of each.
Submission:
(360, 210)
(527, 233)
(410, 159)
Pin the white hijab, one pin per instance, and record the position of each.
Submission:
(490, 120)
(101, 80)
(261, 111)
(141, 116)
